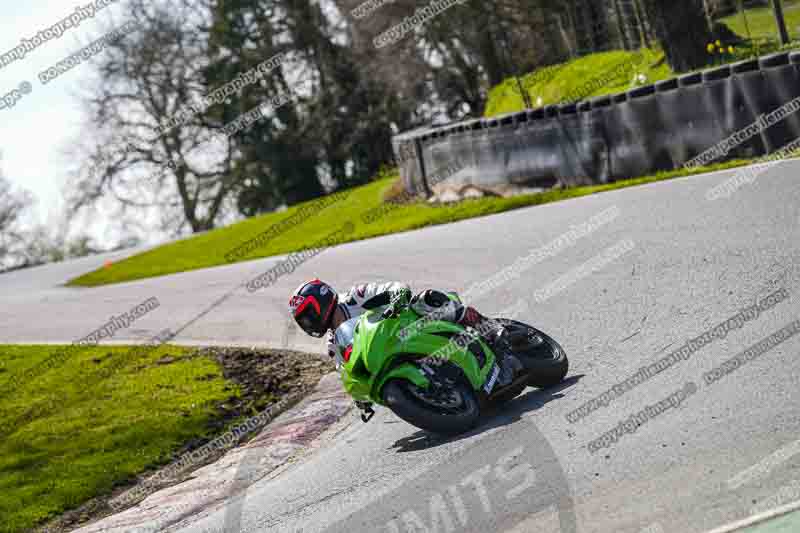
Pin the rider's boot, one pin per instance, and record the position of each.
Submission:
(508, 363)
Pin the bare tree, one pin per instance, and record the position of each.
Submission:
(13, 204)
(181, 175)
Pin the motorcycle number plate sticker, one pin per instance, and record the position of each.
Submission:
(492, 379)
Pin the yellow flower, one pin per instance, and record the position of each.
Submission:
(718, 43)
(730, 49)
(710, 48)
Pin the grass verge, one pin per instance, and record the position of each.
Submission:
(578, 77)
(79, 432)
(209, 249)
(760, 21)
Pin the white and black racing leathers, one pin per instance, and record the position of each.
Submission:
(371, 296)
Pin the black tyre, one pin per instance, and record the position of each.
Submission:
(546, 360)
(448, 408)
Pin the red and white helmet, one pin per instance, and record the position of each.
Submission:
(312, 306)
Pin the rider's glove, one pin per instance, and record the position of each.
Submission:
(399, 299)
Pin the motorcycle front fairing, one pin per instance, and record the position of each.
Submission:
(375, 354)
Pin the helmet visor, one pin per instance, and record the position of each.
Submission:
(310, 325)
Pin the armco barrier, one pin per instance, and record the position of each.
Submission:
(644, 130)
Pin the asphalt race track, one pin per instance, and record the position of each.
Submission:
(694, 264)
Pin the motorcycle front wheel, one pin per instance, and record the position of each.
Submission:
(448, 407)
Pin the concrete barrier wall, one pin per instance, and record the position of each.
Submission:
(644, 130)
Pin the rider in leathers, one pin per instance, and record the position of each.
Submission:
(319, 310)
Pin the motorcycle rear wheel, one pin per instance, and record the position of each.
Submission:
(546, 361)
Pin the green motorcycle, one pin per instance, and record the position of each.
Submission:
(440, 378)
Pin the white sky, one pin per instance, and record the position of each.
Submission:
(35, 131)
